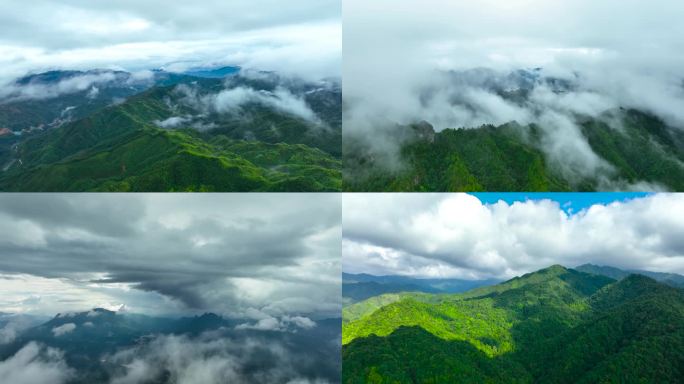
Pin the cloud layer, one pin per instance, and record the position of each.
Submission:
(455, 235)
(303, 37)
(245, 255)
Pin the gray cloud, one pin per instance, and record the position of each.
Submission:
(455, 235)
(238, 254)
(633, 61)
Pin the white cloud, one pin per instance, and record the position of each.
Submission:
(35, 364)
(172, 122)
(65, 86)
(234, 99)
(455, 235)
(210, 359)
(63, 329)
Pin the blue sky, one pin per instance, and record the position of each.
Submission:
(569, 202)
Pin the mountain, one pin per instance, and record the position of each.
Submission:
(94, 343)
(358, 287)
(556, 325)
(671, 279)
(282, 135)
(634, 146)
(213, 73)
(47, 100)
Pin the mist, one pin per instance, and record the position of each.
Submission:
(449, 62)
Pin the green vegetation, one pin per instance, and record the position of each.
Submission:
(554, 326)
(120, 148)
(510, 158)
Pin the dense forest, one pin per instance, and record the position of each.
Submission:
(511, 157)
(556, 325)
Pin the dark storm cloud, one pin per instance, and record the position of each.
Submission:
(236, 253)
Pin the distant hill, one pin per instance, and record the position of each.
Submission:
(671, 279)
(169, 138)
(358, 287)
(556, 325)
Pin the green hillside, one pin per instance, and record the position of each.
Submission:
(554, 326)
(510, 158)
(121, 148)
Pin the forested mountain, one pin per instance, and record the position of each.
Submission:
(671, 279)
(104, 346)
(552, 151)
(357, 287)
(178, 132)
(556, 325)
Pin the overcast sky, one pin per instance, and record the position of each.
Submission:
(303, 37)
(456, 235)
(249, 255)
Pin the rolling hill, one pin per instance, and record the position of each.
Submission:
(556, 325)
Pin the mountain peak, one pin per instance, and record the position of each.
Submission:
(556, 268)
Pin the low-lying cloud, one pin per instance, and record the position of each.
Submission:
(286, 323)
(455, 235)
(40, 90)
(63, 329)
(234, 99)
(35, 364)
(211, 359)
(447, 62)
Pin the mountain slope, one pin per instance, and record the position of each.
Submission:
(552, 326)
(510, 158)
(131, 147)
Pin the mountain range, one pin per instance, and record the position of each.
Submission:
(204, 130)
(101, 345)
(671, 279)
(358, 287)
(556, 325)
(633, 146)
